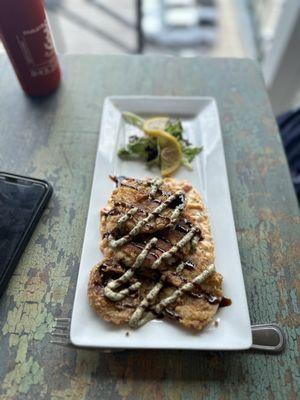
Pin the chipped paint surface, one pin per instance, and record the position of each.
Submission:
(56, 138)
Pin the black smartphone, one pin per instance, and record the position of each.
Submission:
(22, 201)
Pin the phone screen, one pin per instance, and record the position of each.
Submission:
(19, 200)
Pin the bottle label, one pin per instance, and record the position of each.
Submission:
(38, 50)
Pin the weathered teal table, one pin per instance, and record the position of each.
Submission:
(56, 138)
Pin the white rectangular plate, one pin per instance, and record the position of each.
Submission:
(202, 128)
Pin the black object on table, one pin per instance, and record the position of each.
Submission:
(289, 126)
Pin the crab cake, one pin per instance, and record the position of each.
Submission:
(200, 250)
(140, 195)
(193, 310)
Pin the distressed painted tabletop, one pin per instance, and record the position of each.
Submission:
(56, 138)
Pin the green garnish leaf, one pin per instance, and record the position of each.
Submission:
(186, 163)
(133, 119)
(175, 129)
(190, 152)
(125, 154)
(139, 148)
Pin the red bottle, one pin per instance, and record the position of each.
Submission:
(26, 36)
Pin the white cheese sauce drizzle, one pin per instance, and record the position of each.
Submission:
(150, 297)
(126, 217)
(109, 289)
(136, 230)
(138, 321)
(154, 188)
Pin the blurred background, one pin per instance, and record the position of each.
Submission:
(267, 31)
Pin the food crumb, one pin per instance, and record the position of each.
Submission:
(216, 323)
(127, 333)
(187, 187)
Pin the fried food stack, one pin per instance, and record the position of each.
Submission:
(158, 256)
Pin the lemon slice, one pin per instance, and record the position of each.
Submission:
(170, 150)
(155, 124)
(170, 157)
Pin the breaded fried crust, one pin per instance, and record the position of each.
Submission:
(194, 213)
(193, 311)
(159, 256)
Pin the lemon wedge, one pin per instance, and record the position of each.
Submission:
(155, 124)
(170, 150)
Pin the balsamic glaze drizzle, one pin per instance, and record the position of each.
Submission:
(184, 227)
